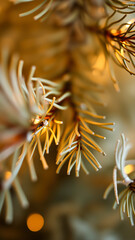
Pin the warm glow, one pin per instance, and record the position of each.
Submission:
(122, 51)
(58, 122)
(114, 31)
(100, 62)
(131, 21)
(125, 27)
(36, 121)
(7, 175)
(129, 168)
(35, 222)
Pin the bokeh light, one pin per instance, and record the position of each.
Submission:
(129, 168)
(35, 222)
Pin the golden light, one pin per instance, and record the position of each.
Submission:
(36, 121)
(129, 168)
(58, 122)
(122, 54)
(125, 27)
(114, 31)
(131, 21)
(100, 62)
(7, 175)
(35, 222)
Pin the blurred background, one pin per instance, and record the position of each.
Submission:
(67, 208)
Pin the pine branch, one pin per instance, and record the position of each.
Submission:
(28, 113)
(125, 199)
